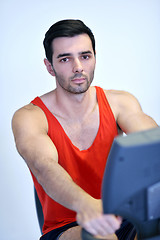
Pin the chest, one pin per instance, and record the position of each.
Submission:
(82, 133)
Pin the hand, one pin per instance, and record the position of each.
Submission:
(92, 219)
(87, 236)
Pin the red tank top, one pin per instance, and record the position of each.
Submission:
(86, 167)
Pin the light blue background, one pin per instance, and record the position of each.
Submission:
(128, 57)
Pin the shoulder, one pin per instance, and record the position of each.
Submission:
(29, 117)
(120, 95)
(128, 112)
(122, 102)
(28, 112)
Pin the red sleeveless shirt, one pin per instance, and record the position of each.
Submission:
(86, 167)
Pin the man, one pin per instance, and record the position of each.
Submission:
(65, 135)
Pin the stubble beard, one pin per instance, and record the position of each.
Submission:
(75, 88)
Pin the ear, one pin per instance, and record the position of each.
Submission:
(49, 67)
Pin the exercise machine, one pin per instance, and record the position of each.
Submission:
(131, 183)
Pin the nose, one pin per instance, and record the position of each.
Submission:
(77, 66)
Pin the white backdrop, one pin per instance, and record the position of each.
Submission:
(128, 57)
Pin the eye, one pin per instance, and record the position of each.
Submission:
(64, 60)
(85, 57)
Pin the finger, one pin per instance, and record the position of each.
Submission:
(104, 227)
(90, 228)
(113, 221)
(99, 226)
(119, 218)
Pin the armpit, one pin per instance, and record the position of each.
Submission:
(120, 132)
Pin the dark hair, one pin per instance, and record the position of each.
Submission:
(65, 28)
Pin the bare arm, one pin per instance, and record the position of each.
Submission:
(128, 112)
(30, 130)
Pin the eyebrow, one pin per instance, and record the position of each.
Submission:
(69, 54)
(86, 52)
(63, 55)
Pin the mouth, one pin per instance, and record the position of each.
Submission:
(79, 80)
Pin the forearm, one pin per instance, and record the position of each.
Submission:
(60, 187)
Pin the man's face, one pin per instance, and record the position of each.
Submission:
(73, 63)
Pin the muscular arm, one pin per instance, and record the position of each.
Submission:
(128, 112)
(30, 131)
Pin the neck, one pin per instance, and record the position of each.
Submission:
(75, 106)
